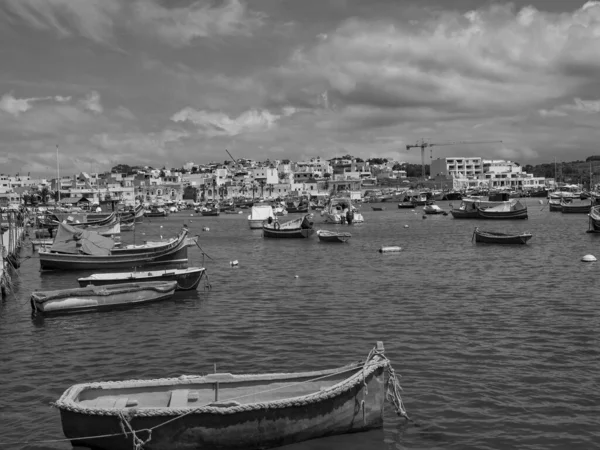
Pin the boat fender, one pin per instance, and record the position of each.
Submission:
(234, 263)
(390, 249)
(277, 226)
(588, 258)
(405, 226)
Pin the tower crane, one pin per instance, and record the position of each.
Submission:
(423, 145)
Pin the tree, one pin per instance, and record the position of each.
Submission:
(270, 188)
(44, 194)
(26, 198)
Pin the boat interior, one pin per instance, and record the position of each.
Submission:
(221, 390)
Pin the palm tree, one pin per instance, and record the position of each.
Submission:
(262, 187)
(270, 188)
(214, 188)
(253, 189)
(44, 194)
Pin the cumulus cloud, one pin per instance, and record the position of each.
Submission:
(578, 106)
(91, 102)
(16, 106)
(219, 124)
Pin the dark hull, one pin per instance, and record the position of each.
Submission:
(151, 214)
(405, 205)
(460, 214)
(334, 237)
(185, 281)
(58, 261)
(555, 207)
(255, 426)
(209, 213)
(501, 238)
(575, 209)
(502, 215)
(295, 233)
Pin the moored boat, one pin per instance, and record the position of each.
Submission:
(433, 209)
(506, 211)
(187, 279)
(297, 228)
(74, 249)
(98, 298)
(333, 236)
(494, 237)
(156, 211)
(576, 207)
(224, 410)
(470, 205)
(258, 214)
(594, 221)
(341, 210)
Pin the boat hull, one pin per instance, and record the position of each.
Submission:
(502, 215)
(575, 209)
(330, 236)
(57, 261)
(487, 237)
(296, 233)
(93, 299)
(461, 214)
(186, 279)
(254, 426)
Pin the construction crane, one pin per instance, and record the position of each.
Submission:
(232, 158)
(423, 145)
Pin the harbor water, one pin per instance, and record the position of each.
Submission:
(498, 346)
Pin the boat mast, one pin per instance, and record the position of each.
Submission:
(57, 174)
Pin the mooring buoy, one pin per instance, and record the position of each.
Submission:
(390, 249)
(588, 258)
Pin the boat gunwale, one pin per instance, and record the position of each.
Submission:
(67, 402)
(105, 276)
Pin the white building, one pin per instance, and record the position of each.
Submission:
(456, 167)
(501, 174)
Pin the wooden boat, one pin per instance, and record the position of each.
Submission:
(75, 249)
(156, 211)
(433, 209)
(555, 204)
(333, 236)
(580, 207)
(227, 411)
(127, 223)
(187, 279)
(506, 211)
(260, 213)
(98, 298)
(210, 211)
(594, 222)
(378, 208)
(297, 228)
(494, 237)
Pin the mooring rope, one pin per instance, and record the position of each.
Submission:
(393, 395)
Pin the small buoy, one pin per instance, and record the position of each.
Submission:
(389, 249)
(240, 212)
(541, 202)
(412, 210)
(205, 229)
(161, 236)
(143, 234)
(191, 220)
(588, 258)
(191, 215)
(233, 263)
(405, 226)
(295, 276)
(161, 226)
(424, 216)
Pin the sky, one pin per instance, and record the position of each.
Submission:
(165, 82)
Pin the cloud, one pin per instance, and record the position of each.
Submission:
(179, 26)
(219, 124)
(578, 106)
(17, 106)
(91, 102)
(97, 20)
(92, 19)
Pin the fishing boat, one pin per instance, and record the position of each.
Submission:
(341, 210)
(469, 207)
(156, 211)
(506, 211)
(594, 222)
(74, 249)
(555, 204)
(297, 228)
(258, 214)
(576, 207)
(378, 208)
(211, 210)
(224, 410)
(333, 236)
(127, 223)
(433, 209)
(98, 298)
(494, 237)
(405, 203)
(187, 279)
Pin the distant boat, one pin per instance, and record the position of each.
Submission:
(156, 211)
(333, 236)
(578, 207)
(494, 237)
(378, 208)
(229, 411)
(187, 279)
(297, 228)
(98, 298)
(433, 209)
(505, 211)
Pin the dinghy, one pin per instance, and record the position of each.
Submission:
(187, 279)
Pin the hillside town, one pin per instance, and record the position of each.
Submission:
(244, 178)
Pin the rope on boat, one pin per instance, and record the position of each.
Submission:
(369, 367)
